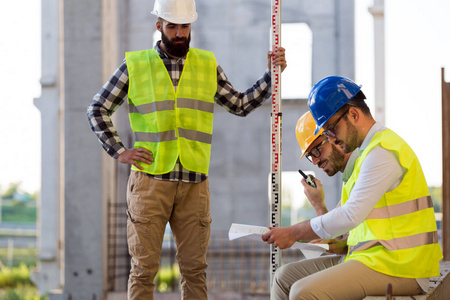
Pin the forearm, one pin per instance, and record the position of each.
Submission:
(320, 209)
(242, 103)
(303, 231)
(101, 124)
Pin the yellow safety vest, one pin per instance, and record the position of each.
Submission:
(399, 236)
(171, 123)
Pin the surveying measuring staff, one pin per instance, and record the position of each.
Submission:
(275, 134)
(172, 125)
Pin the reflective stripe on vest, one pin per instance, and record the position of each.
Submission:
(165, 136)
(172, 124)
(170, 105)
(151, 107)
(399, 236)
(406, 242)
(155, 137)
(404, 208)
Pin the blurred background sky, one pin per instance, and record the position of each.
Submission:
(417, 47)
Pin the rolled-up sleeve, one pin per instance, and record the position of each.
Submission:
(242, 103)
(111, 96)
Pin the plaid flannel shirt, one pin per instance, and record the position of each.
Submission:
(114, 93)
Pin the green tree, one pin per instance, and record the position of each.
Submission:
(12, 189)
(436, 195)
(15, 192)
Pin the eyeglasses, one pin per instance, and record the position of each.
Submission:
(329, 132)
(315, 152)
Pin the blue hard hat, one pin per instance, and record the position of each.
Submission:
(328, 95)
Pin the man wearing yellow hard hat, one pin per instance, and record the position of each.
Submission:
(172, 90)
(327, 156)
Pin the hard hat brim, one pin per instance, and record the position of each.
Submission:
(318, 128)
(181, 21)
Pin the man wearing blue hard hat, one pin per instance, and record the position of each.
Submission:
(385, 205)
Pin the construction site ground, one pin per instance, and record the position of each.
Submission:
(439, 290)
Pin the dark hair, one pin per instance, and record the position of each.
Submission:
(357, 101)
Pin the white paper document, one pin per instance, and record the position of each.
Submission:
(255, 232)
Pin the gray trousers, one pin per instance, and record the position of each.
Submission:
(325, 278)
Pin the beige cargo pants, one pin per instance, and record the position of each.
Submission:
(186, 206)
(325, 278)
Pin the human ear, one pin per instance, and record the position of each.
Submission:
(354, 114)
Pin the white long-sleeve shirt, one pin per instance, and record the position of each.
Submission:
(380, 172)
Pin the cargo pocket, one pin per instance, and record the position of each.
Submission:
(137, 233)
(205, 231)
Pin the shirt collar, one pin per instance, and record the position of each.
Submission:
(377, 127)
(350, 165)
(158, 50)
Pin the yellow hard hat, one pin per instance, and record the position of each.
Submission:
(305, 132)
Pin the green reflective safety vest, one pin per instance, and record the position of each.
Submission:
(171, 123)
(399, 236)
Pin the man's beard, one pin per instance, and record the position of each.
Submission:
(351, 142)
(336, 160)
(178, 49)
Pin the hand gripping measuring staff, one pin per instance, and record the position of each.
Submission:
(275, 133)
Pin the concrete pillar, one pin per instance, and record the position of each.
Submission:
(445, 225)
(84, 209)
(345, 48)
(377, 11)
(114, 174)
(47, 275)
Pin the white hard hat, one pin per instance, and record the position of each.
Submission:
(175, 11)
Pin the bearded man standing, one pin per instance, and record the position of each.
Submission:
(171, 91)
